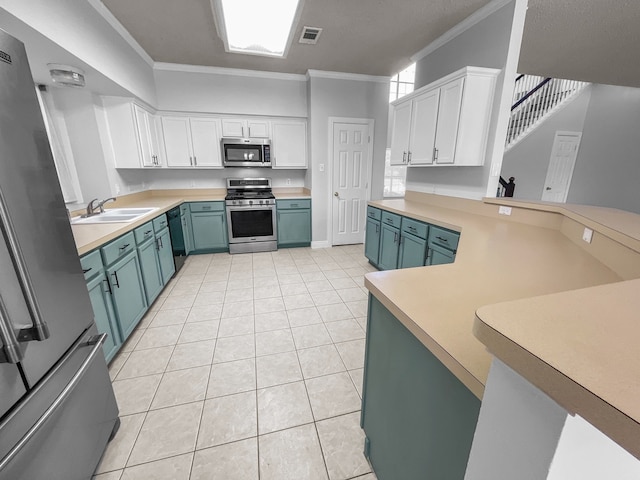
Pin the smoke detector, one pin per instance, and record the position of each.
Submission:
(310, 35)
(66, 75)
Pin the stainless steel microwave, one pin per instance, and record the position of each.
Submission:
(246, 152)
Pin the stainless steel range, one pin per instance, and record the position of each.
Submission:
(251, 215)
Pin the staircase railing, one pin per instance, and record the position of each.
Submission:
(534, 98)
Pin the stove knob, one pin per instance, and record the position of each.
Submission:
(260, 202)
(250, 202)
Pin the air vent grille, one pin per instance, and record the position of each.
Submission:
(310, 35)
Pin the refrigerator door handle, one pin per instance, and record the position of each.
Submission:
(39, 330)
(12, 353)
(96, 342)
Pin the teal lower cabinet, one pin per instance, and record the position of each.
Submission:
(150, 269)
(439, 256)
(187, 231)
(294, 223)
(372, 241)
(100, 296)
(129, 299)
(165, 255)
(209, 227)
(413, 251)
(418, 418)
(389, 247)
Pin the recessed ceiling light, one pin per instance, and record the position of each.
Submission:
(256, 27)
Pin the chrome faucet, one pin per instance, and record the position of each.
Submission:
(91, 209)
(101, 204)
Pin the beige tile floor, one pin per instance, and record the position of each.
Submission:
(247, 367)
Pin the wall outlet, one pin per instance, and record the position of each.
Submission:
(321, 167)
(504, 210)
(288, 181)
(587, 235)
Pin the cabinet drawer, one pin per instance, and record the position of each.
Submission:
(374, 213)
(118, 248)
(444, 238)
(91, 264)
(293, 203)
(391, 219)
(184, 209)
(414, 227)
(143, 232)
(206, 206)
(160, 222)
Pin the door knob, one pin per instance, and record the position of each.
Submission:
(548, 188)
(335, 194)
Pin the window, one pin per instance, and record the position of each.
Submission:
(395, 176)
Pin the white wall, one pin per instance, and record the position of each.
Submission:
(493, 42)
(331, 97)
(607, 171)
(79, 29)
(528, 160)
(79, 115)
(208, 91)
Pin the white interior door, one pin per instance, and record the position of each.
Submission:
(561, 164)
(350, 167)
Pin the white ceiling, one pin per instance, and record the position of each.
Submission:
(590, 40)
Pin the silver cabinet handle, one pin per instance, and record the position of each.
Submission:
(10, 346)
(395, 237)
(435, 153)
(195, 161)
(191, 161)
(409, 158)
(39, 330)
(404, 157)
(96, 342)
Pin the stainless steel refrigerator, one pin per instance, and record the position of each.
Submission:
(57, 406)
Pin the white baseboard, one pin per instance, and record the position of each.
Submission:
(321, 244)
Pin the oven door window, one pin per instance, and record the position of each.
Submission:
(251, 223)
(243, 153)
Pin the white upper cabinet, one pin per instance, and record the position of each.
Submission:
(192, 141)
(135, 134)
(245, 128)
(149, 137)
(445, 122)
(289, 144)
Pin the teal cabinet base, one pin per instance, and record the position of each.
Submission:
(418, 418)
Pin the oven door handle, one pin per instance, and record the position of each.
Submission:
(235, 208)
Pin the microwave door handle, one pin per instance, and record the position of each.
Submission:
(39, 330)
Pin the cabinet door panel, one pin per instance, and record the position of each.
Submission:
(165, 255)
(233, 128)
(144, 136)
(150, 269)
(176, 141)
(209, 230)
(289, 145)
(448, 120)
(424, 118)
(104, 315)
(437, 257)
(128, 293)
(294, 227)
(412, 251)
(258, 129)
(206, 142)
(187, 233)
(372, 241)
(401, 124)
(389, 245)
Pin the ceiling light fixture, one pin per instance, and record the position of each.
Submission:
(256, 27)
(66, 75)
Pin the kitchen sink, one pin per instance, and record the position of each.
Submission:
(114, 215)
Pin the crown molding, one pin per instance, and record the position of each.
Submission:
(178, 67)
(461, 27)
(118, 27)
(347, 76)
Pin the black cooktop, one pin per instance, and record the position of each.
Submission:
(247, 195)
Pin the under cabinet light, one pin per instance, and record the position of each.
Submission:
(256, 27)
